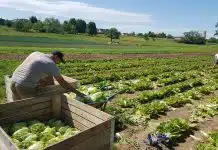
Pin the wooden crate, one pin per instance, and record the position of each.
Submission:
(43, 91)
(97, 127)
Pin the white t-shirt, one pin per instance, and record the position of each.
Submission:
(216, 58)
(35, 67)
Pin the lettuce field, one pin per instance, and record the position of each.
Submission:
(176, 96)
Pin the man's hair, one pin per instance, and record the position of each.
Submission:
(59, 54)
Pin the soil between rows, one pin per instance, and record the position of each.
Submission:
(108, 56)
(137, 135)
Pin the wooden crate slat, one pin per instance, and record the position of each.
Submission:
(96, 127)
(27, 109)
(74, 140)
(73, 122)
(25, 116)
(103, 138)
(7, 140)
(112, 130)
(56, 106)
(82, 113)
(78, 118)
(22, 103)
(8, 89)
(89, 109)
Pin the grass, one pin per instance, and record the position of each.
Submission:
(6, 68)
(12, 41)
(85, 49)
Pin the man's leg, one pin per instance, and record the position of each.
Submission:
(215, 64)
(15, 94)
(25, 92)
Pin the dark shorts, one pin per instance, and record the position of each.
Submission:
(20, 92)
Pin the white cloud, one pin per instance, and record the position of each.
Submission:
(67, 9)
(104, 17)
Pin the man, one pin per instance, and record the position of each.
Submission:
(215, 60)
(38, 70)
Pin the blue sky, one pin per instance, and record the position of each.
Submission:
(170, 16)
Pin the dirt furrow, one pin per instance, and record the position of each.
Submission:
(138, 134)
(108, 56)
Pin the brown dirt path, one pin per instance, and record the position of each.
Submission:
(108, 56)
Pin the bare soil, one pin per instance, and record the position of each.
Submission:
(108, 56)
(137, 136)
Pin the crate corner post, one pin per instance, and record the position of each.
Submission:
(56, 106)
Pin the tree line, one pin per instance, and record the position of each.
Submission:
(153, 35)
(51, 25)
(75, 26)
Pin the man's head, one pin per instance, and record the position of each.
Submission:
(58, 56)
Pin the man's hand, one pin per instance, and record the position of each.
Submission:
(67, 86)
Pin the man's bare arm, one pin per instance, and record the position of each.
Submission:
(67, 86)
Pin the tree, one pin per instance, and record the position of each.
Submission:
(212, 40)
(73, 29)
(72, 26)
(216, 33)
(72, 21)
(80, 26)
(169, 36)
(33, 19)
(146, 37)
(161, 35)
(38, 26)
(52, 25)
(66, 26)
(91, 28)
(113, 33)
(132, 34)
(193, 37)
(8, 23)
(140, 34)
(22, 25)
(152, 35)
(2, 21)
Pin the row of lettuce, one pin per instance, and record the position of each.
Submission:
(157, 86)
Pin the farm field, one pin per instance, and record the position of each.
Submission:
(13, 42)
(164, 86)
(153, 91)
(146, 74)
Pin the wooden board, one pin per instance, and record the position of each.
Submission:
(73, 122)
(7, 141)
(26, 109)
(8, 89)
(23, 103)
(56, 106)
(77, 118)
(102, 139)
(112, 133)
(26, 116)
(82, 136)
(89, 109)
(82, 113)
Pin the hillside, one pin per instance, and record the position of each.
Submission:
(12, 41)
